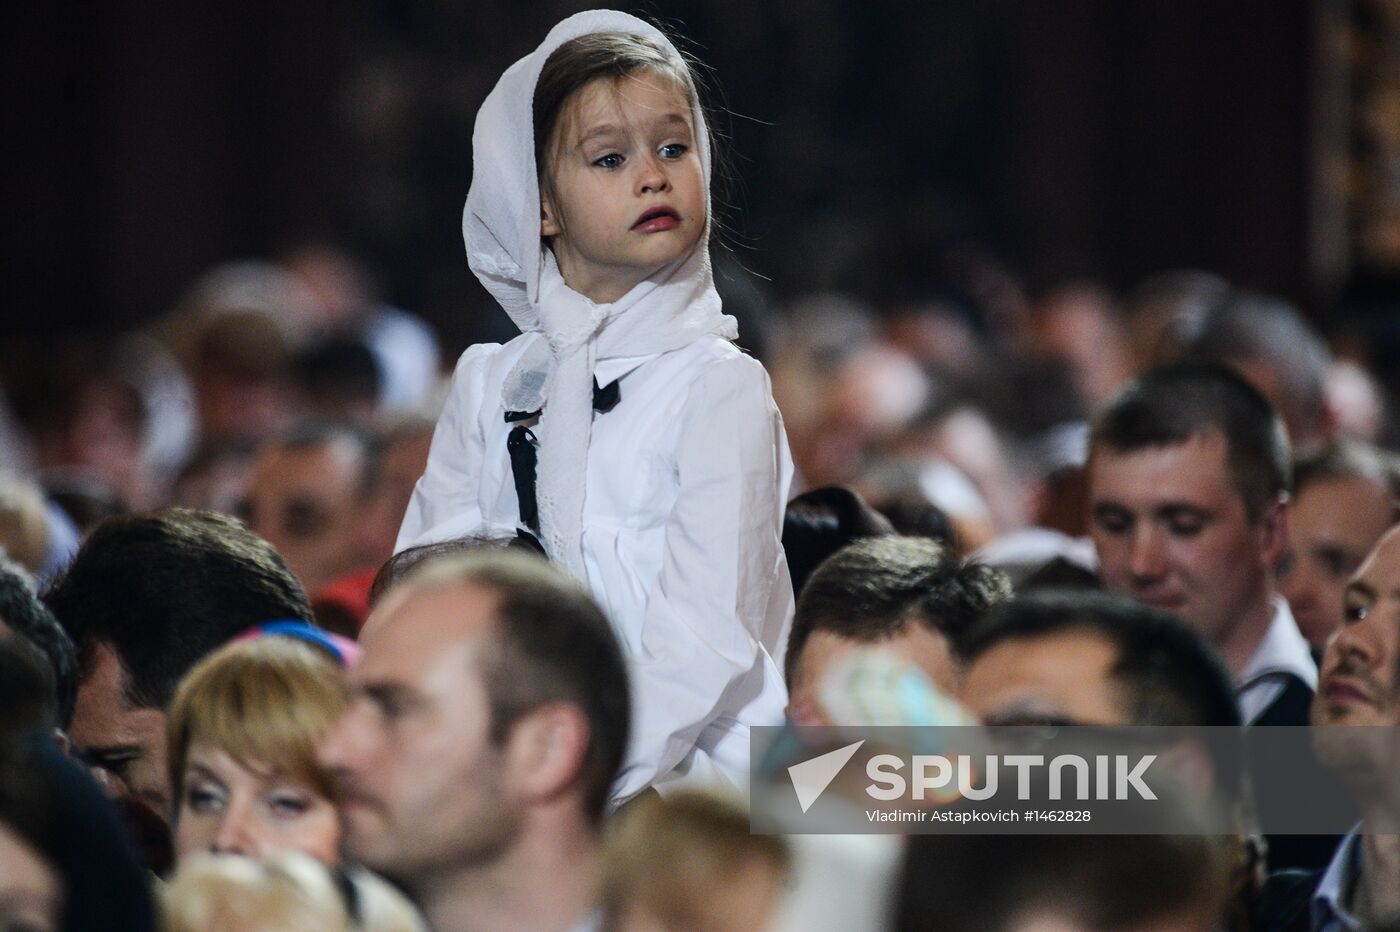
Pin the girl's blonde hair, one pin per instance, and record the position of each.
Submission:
(676, 857)
(266, 702)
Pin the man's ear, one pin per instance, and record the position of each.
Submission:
(546, 751)
(1273, 526)
(549, 217)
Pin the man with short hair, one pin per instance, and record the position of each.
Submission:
(146, 598)
(909, 595)
(1344, 499)
(1360, 685)
(488, 719)
(1078, 657)
(1188, 477)
(1270, 344)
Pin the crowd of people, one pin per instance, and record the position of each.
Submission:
(299, 630)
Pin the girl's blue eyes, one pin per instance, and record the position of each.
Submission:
(669, 152)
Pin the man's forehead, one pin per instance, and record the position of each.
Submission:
(420, 621)
(1081, 644)
(1198, 463)
(102, 715)
(103, 672)
(1043, 672)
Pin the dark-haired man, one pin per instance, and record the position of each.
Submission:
(488, 719)
(1344, 499)
(145, 599)
(1078, 657)
(1188, 479)
(909, 595)
(1361, 686)
(1270, 344)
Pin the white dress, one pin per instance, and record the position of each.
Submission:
(687, 478)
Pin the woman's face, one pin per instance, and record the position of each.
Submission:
(227, 808)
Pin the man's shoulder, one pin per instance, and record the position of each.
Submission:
(1285, 901)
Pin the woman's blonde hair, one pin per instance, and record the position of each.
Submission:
(676, 857)
(266, 703)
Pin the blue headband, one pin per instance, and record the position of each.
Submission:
(342, 649)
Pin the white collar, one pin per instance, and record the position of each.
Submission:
(1329, 909)
(1282, 650)
(615, 367)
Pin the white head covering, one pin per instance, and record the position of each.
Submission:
(501, 225)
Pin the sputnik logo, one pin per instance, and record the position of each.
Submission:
(811, 777)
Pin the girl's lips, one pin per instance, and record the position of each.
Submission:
(657, 220)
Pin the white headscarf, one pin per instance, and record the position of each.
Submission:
(501, 225)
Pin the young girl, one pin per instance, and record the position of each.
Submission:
(622, 428)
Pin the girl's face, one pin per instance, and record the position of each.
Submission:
(227, 808)
(628, 188)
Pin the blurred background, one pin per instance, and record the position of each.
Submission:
(1079, 138)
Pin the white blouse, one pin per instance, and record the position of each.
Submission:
(687, 478)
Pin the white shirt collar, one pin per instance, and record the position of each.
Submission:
(1283, 650)
(614, 368)
(1329, 909)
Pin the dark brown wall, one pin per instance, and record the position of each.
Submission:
(1081, 135)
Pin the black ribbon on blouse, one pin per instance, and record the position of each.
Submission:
(524, 461)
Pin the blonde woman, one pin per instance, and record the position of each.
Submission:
(242, 736)
(242, 732)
